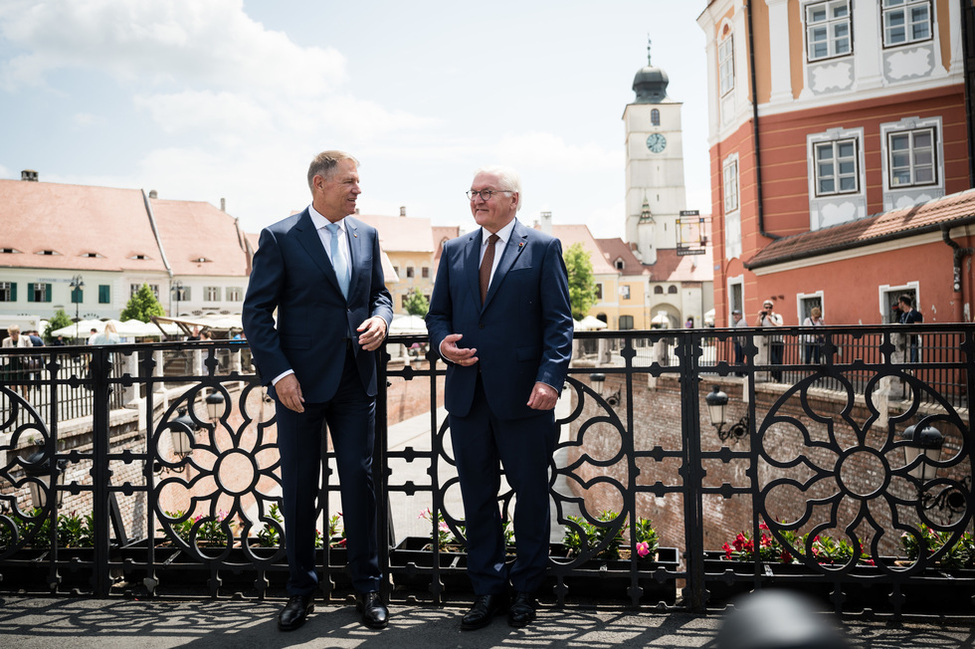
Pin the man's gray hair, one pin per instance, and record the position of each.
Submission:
(508, 178)
(324, 165)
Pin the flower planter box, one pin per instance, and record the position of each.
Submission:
(610, 580)
(866, 587)
(411, 566)
(30, 570)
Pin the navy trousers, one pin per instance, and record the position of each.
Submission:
(351, 417)
(483, 442)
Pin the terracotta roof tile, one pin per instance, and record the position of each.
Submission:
(671, 267)
(616, 248)
(570, 234)
(896, 224)
(401, 233)
(192, 230)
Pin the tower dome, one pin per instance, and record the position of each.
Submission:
(650, 83)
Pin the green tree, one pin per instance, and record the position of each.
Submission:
(59, 320)
(142, 305)
(416, 303)
(582, 286)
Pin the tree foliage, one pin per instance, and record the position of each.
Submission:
(59, 320)
(582, 286)
(416, 303)
(142, 305)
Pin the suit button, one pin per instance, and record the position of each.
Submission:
(480, 326)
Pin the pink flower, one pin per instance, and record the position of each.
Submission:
(643, 549)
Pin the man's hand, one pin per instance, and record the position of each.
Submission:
(458, 355)
(372, 333)
(289, 393)
(543, 397)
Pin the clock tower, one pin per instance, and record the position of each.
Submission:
(654, 164)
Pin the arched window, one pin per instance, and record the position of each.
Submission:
(658, 290)
(671, 289)
(655, 117)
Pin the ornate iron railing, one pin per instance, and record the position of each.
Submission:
(812, 462)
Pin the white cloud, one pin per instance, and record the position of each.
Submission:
(551, 151)
(208, 42)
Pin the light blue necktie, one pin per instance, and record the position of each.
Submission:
(338, 259)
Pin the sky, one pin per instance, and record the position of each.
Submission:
(208, 99)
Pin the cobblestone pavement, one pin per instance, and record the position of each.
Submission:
(82, 623)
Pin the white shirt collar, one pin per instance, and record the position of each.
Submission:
(321, 222)
(504, 233)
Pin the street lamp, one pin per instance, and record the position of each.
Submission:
(76, 284)
(717, 402)
(38, 466)
(928, 441)
(177, 288)
(181, 431)
(598, 381)
(214, 403)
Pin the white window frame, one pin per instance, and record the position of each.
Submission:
(234, 293)
(726, 65)
(837, 174)
(211, 293)
(802, 298)
(886, 289)
(912, 151)
(834, 29)
(739, 281)
(904, 9)
(6, 291)
(731, 190)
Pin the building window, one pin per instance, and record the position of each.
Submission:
(836, 167)
(730, 176)
(77, 295)
(396, 270)
(626, 322)
(409, 271)
(403, 300)
(8, 291)
(906, 21)
(828, 30)
(211, 293)
(234, 294)
(625, 292)
(655, 117)
(658, 290)
(134, 288)
(104, 294)
(181, 293)
(599, 292)
(672, 290)
(911, 158)
(425, 272)
(726, 65)
(39, 292)
(619, 264)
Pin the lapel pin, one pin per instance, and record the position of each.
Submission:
(521, 245)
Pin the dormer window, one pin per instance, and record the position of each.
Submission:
(619, 264)
(47, 252)
(90, 255)
(201, 260)
(8, 251)
(139, 257)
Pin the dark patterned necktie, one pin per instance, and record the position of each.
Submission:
(486, 264)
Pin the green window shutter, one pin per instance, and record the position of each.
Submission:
(104, 294)
(47, 293)
(13, 291)
(30, 292)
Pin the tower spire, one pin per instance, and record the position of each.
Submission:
(649, 43)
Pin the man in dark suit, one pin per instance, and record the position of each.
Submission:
(322, 272)
(500, 316)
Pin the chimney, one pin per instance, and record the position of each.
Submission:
(223, 204)
(546, 218)
(28, 175)
(153, 193)
(402, 210)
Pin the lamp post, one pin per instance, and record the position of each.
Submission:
(214, 403)
(177, 288)
(927, 441)
(39, 466)
(717, 402)
(181, 431)
(76, 284)
(598, 381)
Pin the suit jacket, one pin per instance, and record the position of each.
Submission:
(523, 332)
(292, 273)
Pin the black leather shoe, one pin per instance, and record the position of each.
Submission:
(485, 607)
(522, 611)
(374, 613)
(295, 611)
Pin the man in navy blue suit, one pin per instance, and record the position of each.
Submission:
(321, 270)
(500, 316)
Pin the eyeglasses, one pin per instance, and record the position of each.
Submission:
(486, 194)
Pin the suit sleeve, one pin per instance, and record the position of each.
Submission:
(556, 319)
(380, 301)
(440, 314)
(263, 295)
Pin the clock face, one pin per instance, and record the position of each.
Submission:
(656, 142)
